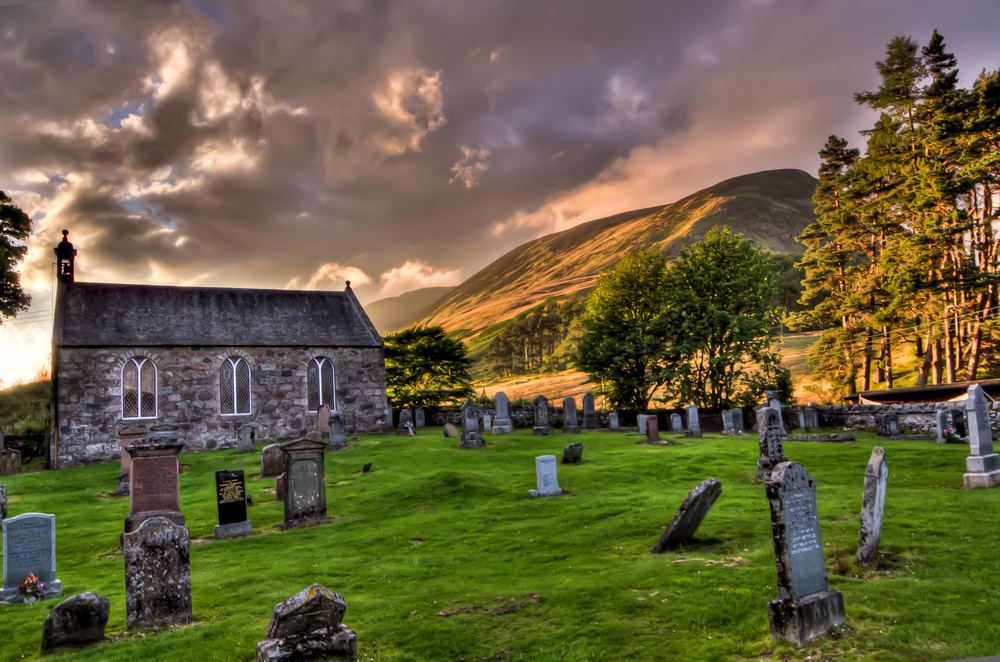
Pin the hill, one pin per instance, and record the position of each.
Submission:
(771, 207)
(395, 313)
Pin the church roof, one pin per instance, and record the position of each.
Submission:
(105, 314)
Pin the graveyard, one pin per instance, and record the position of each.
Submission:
(440, 554)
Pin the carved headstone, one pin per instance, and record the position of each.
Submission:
(272, 461)
(982, 465)
(76, 621)
(694, 427)
(572, 453)
(769, 435)
(305, 482)
(589, 412)
(689, 516)
(472, 437)
(570, 423)
(338, 438)
(872, 507)
(676, 424)
(502, 424)
(420, 419)
(157, 574)
(548, 479)
(772, 399)
(231, 502)
(652, 429)
(308, 626)
(29, 548)
(405, 424)
(613, 421)
(543, 427)
(806, 606)
(246, 440)
(154, 489)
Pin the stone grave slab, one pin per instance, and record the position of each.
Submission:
(154, 487)
(769, 440)
(157, 574)
(503, 423)
(29, 548)
(589, 412)
(983, 465)
(231, 503)
(872, 507)
(543, 424)
(308, 625)
(272, 461)
(472, 437)
(571, 425)
(546, 476)
(338, 437)
(572, 453)
(690, 515)
(76, 621)
(305, 482)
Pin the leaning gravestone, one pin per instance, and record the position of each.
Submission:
(694, 427)
(308, 626)
(450, 431)
(982, 465)
(305, 482)
(3, 502)
(589, 413)
(272, 461)
(872, 507)
(572, 453)
(570, 423)
(420, 419)
(157, 574)
(548, 479)
(231, 502)
(690, 515)
(10, 460)
(405, 424)
(471, 436)
(76, 621)
(806, 606)
(246, 441)
(772, 450)
(29, 548)
(613, 420)
(543, 427)
(338, 438)
(503, 424)
(676, 424)
(154, 489)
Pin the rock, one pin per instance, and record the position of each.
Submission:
(572, 453)
(450, 431)
(77, 621)
(308, 626)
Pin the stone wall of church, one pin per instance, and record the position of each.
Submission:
(88, 408)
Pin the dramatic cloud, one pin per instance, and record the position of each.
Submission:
(471, 168)
(414, 274)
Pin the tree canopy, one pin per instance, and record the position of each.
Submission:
(425, 368)
(15, 226)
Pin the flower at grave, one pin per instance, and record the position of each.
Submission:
(31, 587)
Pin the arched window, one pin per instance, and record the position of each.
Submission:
(234, 386)
(320, 379)
(139, 388)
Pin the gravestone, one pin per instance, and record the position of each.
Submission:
(231, 502)
(471, 435)
(652, 429)
(872, 507)
(3, 502)
(543, 427)
(154, 489)
(246, 441)
(727, 422)
(279, 485)
(806, 606)
(157, 574)
(502, 424)
(772, 399)
(676, 424)
(689, 516)
(572, 453)
(323, 418)
(308, 626)
(272, 461)
(772, 450)
(570, 423)
(305, 482)
(126, 437)
(548, 479)
(943, 425)
(808, 419)
(738, 426)
(887, 425)
(421, 419)
(405, 424)
(613, 421)
(589, 412)
(10, 460)
(76, 621)
(959, 423)
(487, 423)
(338, 438)
(640, 421)
(982, 465)
(694, 427)
(29, 548)
(450, 431)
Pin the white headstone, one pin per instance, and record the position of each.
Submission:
(613, 420)
(641, 420)
(547, 477)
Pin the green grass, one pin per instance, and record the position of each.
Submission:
(438, 529)
(24, 409)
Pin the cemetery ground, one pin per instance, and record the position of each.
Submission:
(440, 555)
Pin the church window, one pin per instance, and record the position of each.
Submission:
(139, 388)
(321, 383)
(234, 386)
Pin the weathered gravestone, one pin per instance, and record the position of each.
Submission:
(246, 439)
(543, 427)
(305, 482)
(676, 424)
(471, 435)
(231, 502)
(3, 502)
(29, 548)
(652, 429)
(728, 427)
(982, 465)
(308, 626)
(279, 485)
(546, 476)
(502, 424)
(808, 420)
(806, 606)
(323, 418)
(487, 423)
(10, 460)
(157, 574)
(420, 419)
(613, 421)
(689, 516)
(772, 399)
(887, 425)
(405, 424)
(772, 450)
(738, 426)
(272, 461)
(872, 507)
(154, 489)
(338, 438)
(450, 431)
(943, 426)
(589, 412)
(572, 453)
(76, 621)
(640, 421)
(694, 427)
(570, 423)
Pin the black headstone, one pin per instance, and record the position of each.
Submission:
(231, 497)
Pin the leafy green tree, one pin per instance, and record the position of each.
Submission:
(15, 226)
(426, 368)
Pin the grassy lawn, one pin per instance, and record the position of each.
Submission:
(434, 529)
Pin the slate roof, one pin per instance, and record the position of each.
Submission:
(105, 314)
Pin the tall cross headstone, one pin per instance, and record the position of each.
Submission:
(472, 437)
(543, 427)
(806, 606)
(29, 547)
(154, 487)
(769, 435)
(589, 412)
(694, 427)
(157, 574)
(502, 424)
(982, 465)
(338, 438)
(570, 423)
(305, 482)
(231, 502)
(872, 507)
(546, 476)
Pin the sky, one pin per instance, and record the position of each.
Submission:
(405, 144)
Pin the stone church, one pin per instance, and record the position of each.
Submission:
(208, 360)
